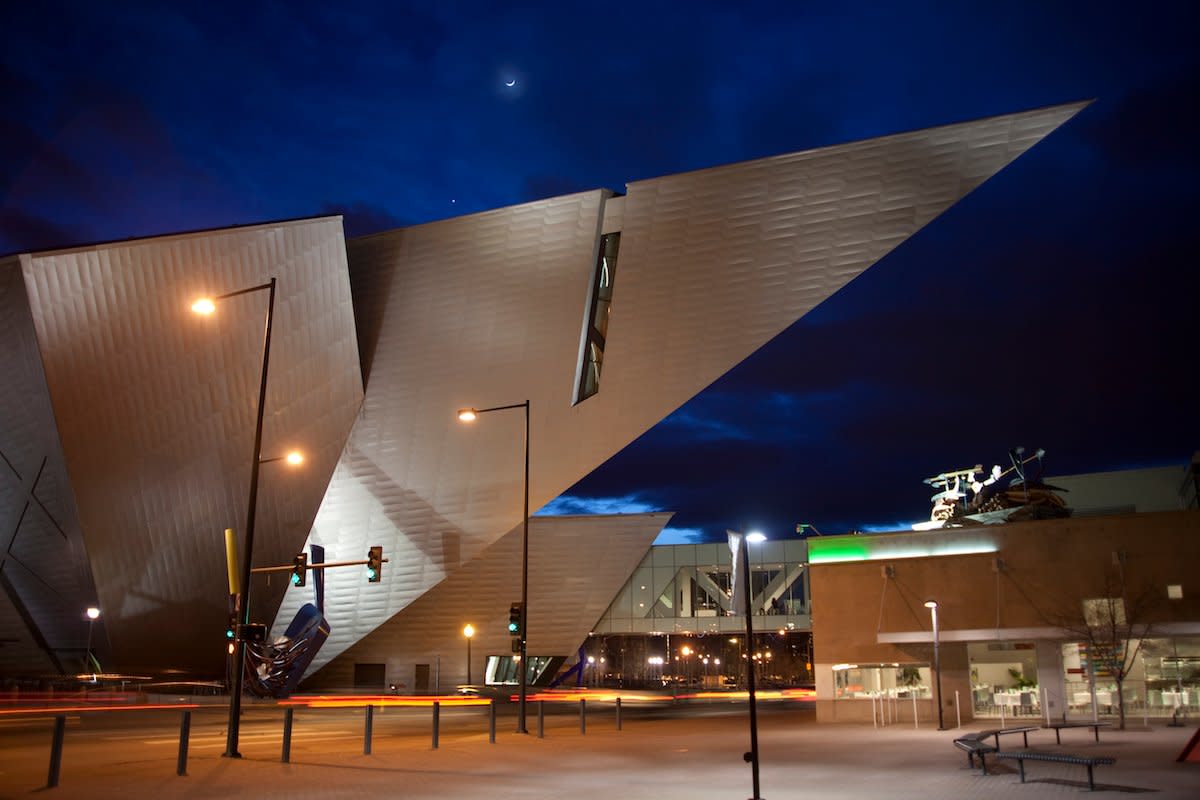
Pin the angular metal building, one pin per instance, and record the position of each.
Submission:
(127, 425)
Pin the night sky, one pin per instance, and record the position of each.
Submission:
(1055, 307)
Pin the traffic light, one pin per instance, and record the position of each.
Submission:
(374, 564)
(516, 620)
(300, 569)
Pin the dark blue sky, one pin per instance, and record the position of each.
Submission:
(1055, 307)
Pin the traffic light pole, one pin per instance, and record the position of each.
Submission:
(524, 585)
(328, 565)
(239, 657)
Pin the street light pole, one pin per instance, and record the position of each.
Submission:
(937, 660)
(207, 306)
(93, 614)
(468, 415)
(468, 632)
(752, 756)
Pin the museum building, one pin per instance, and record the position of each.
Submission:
(128, 422)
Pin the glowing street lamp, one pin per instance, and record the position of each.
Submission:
(470, 415)
(468, 632)
(293, 459)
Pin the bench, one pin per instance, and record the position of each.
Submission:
(975, 744)
(1058, 726)
(974, 747)
(996, 733)
(1059, 758)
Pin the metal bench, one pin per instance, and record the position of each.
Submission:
(996, 733)
(1058, 758)
(1058, 726)
(975, 747)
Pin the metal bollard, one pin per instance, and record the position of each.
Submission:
(367, 730)
(492, 722)
(437, 718)
(288, 715)
(582, 715)
(56, 745)
(541, 719)
(618, 713)
(185, 729)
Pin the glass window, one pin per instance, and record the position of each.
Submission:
(597, 324)
(886, 680)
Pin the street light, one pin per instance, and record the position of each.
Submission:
(469, 631)
(741, 546)
(93, 614)
(937, 660)
(208, 305)
(470, 415)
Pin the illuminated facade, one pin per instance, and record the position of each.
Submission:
(606, 312)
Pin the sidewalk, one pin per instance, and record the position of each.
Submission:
(691, 757)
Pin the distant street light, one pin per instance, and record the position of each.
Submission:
(93, 614)
(470, 415)
(468, 632)
(937, 660)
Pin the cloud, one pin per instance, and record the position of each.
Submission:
(673, 535)
(573, 504)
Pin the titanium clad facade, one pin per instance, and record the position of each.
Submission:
(155, 408)
(490, 310)
(576, 565)
(475, 311)
(45, 582)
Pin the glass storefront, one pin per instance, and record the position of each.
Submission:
(881, 680)
(1004, 679)
(1163, 679)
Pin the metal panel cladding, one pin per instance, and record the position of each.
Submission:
(575, 568)
(155, 407)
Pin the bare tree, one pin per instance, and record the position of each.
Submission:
(1112, 626)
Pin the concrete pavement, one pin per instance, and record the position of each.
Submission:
(690, 755)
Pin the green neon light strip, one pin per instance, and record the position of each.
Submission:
(824, 552)
(867, 548)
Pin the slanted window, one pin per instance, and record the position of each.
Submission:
(597, 324)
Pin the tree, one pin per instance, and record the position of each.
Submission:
(1112, 626)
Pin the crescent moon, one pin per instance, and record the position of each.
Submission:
(511, 83)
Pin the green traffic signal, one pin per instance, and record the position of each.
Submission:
(374, 564)
(299, 569)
